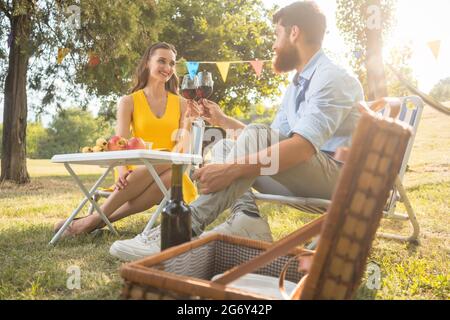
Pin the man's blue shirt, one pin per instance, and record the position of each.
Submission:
(319, 105)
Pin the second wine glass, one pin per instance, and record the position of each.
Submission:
(204, 85)
(188, 87)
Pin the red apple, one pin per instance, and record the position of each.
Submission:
(135, 143)
(117, 143)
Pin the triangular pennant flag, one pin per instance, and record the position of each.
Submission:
(257, 66)
(62, 53)
(192, 68)
(94, 60)
(435, 46)
(223, 68)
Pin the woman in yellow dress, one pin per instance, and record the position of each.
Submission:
(154, 112)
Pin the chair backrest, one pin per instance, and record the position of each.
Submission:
(410, 112)
(211, 137)
(356, 209)
(197, 133)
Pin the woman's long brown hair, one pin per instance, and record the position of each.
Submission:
(142, 73)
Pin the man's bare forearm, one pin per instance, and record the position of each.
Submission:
(230, 123)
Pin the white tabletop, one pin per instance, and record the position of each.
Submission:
(128, 157)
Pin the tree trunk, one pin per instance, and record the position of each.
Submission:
(376, 78)
(14, 166)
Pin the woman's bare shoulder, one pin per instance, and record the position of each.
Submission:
(126, 103)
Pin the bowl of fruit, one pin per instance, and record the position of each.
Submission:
(117, 143)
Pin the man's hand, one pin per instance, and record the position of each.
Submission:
(212, 113)
(215, 177)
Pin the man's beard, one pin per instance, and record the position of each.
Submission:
(287, 59)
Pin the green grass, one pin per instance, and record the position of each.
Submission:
(29, 269)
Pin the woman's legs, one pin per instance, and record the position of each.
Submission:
(147, 199)
(138, 182)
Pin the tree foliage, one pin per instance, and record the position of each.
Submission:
(400, 59)
(115, 33)
(353, 17)
(221, 30)
(118, 32)
(36, 135)
(225, 30)
(70, 130)
(111, 31)
(441, 91)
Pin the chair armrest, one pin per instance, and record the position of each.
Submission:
(394, 105)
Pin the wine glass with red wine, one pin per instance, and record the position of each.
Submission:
(188, 87)
(204, 85)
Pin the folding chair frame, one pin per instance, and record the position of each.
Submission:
(312, 205)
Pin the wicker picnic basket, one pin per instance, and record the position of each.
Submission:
(184, 272)
(346, 234)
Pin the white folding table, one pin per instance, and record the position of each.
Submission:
(111, 159)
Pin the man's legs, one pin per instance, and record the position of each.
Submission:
(244, 220)
(315, 178)
(237, 196)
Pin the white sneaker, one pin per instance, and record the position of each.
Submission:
(243, 225)
(141, 246)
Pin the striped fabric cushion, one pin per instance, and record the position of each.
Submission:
(408, 112)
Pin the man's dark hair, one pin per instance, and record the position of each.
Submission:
(307, 16)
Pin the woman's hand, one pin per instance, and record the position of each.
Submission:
(122, 182)
(212, 113)
(194, 110)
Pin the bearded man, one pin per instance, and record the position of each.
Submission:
(293, 156)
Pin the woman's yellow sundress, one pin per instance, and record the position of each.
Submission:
(147, 126)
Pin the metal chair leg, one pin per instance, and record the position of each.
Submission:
(411, 216)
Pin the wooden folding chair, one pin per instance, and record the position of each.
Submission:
(408, 110)
(346, 234)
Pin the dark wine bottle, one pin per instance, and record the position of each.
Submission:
(176, 215)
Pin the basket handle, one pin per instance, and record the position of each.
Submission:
(277, 249)
(284, 271)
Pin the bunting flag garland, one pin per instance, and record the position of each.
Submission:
(257, 66)
(62, 53)
(435, 47)
(94, 60)
(192, 67)
(223, 69)
(223, 66)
